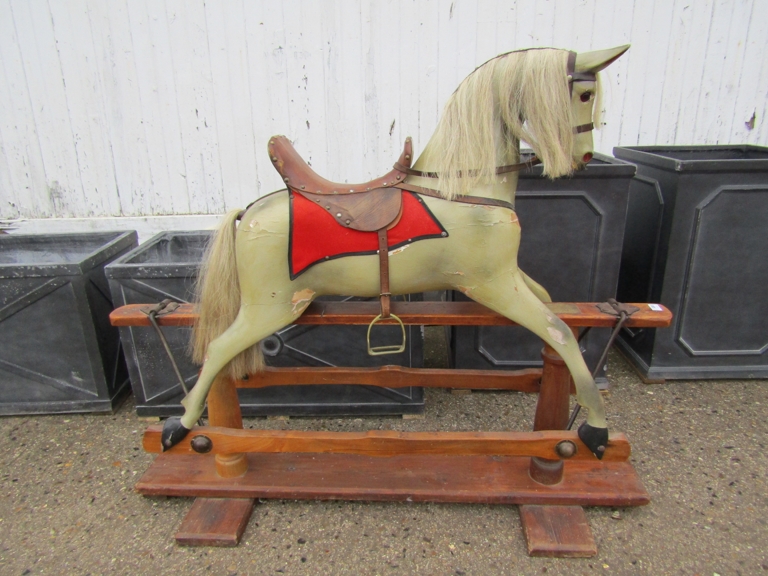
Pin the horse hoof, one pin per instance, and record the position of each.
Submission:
(596, 439)
(173, 433)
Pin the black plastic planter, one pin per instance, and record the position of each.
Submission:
(58, 351)
(167, 266)
(697, 242)
(571, 244)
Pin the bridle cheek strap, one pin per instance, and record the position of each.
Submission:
(574, 76)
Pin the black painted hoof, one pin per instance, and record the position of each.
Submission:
(596, 439)
(173, 433)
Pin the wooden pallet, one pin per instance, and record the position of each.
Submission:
(523, 468)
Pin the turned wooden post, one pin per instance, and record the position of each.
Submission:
(551, 412)
(224, 410)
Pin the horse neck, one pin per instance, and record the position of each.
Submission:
(503, 187)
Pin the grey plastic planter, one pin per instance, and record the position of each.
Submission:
(697, 242)
(58, 351)
(571, 244)
(167, 266)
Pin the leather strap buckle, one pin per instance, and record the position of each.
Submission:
(388, 349)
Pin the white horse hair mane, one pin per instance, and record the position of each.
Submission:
(517, 96)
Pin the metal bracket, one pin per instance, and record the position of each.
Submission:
(622, 313)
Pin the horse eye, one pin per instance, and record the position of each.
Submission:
(586, 96)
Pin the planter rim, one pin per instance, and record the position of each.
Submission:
(123, 268)
(115, 241)
(655, 156)
(608, 167)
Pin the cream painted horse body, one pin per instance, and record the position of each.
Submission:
(478, 257)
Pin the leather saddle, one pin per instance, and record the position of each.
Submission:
(367, 207)
(374, 206)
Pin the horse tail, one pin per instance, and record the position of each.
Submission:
(217, 292)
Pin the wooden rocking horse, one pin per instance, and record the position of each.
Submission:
(445, 223)
(250, 288)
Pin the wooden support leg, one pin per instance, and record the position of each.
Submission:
(561, 531)
(551, 412)
(224, 410)
(220, 521)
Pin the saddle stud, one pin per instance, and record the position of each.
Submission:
(338, 214)
(303, 187)
(274, 158)
(286, 179)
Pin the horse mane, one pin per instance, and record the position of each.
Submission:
(521, 95)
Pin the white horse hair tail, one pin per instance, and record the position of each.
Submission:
(217, 293)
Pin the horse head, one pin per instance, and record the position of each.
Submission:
(585, 90)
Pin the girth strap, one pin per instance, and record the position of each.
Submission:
(385, 295)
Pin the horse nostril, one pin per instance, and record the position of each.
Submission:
(587, 157)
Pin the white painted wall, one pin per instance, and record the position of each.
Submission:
(164, 107)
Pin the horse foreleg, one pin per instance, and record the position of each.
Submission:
(510, 295)
(253, 323)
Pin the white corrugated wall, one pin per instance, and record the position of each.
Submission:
(152, 107)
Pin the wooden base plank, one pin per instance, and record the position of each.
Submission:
(417, 478)
(215, 522)
(557, 531)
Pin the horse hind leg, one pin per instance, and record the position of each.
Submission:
(253, 323)
(510, 295)
(538, 290)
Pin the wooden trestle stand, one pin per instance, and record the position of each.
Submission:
(535, 470)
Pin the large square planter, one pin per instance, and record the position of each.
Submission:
(58, 351)
(167, 266)
(697, 242)
(572, 232)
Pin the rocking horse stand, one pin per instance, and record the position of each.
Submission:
(548, 472)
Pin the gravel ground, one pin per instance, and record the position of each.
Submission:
(67, 504)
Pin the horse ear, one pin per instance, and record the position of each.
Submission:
(598, 59)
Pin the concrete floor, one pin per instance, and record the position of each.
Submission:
(67, 504)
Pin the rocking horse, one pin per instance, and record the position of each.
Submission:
(250, 288)
(445, 222)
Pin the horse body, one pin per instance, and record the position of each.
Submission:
(477, 257)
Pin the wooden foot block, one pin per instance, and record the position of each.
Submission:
(559, 531)
(215, 522)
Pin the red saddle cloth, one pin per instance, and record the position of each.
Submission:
(317, 237)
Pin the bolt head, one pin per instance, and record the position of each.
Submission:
(201, 444)
(565, 449)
